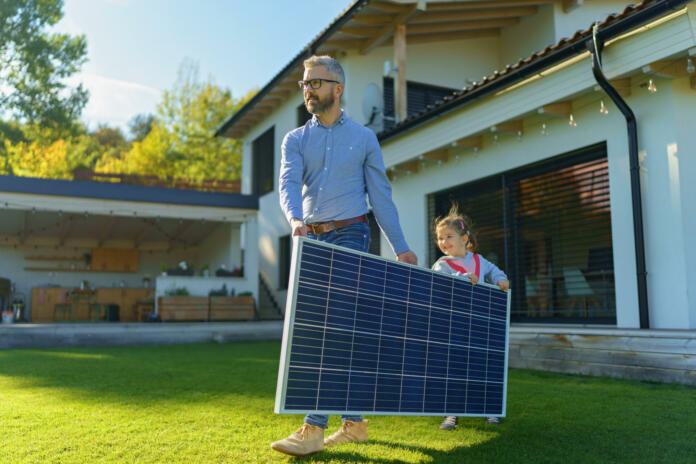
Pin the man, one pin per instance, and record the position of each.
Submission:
(328, 168)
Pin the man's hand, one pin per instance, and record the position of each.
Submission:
(298, 227)
(504, 285)
(407, 257)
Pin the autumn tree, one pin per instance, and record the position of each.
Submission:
(181, 141)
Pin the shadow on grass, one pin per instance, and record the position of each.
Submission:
(172, 372)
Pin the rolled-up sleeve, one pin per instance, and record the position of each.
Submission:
(290, 179)
(379, 192)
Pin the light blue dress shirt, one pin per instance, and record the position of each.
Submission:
(327, 173)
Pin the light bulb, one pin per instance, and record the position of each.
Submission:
(519, 135)
(690, 68)
(602, 108)
(571, 121)
(495, 138)
(543, 130)
(652, 87)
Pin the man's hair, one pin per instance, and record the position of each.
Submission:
(331, 65)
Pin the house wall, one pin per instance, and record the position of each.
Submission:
(663, 169)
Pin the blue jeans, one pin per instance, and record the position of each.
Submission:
(356, 237)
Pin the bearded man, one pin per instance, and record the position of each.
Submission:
(329, 168)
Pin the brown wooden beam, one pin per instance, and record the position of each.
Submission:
(447, 36)
(671, 69)
(440, 155)
(387, 6)
(412, 166)
(513, 127)
(489, 4)
(400, 94)
(456, 26)
(558, 109)
(386, 31)
(360, 31)
(489, 13)
(473, 141)
(377, 19)
(570, 5)
(346, 44)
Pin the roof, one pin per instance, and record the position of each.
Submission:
(612, 26)
(367, 24)
(126, 192)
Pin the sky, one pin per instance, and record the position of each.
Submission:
(136, 47)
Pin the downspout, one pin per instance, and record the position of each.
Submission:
(595, 47)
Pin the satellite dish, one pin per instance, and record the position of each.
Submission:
(372, 105)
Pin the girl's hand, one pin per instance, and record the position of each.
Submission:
(504, 285)
(472, 277)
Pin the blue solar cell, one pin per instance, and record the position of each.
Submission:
(368, 335)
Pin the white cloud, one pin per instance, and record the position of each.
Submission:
(113, 101)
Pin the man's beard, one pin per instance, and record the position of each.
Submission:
(320, 106)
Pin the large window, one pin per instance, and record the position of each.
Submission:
(418, 97)
(262, 162)
(548, 226)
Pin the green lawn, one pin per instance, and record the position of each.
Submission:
(214, 403)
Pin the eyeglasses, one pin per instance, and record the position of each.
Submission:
(314, 83)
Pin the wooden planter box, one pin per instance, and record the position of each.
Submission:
(231, 308)
(183, 308)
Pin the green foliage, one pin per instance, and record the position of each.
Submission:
(33, 63)
(180, 141)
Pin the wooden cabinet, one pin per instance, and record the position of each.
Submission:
(114, 260)
(44, 299)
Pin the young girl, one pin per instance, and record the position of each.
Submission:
(457, 241)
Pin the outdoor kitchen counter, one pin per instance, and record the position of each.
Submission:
(44, 299)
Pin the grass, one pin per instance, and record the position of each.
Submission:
(214, 404)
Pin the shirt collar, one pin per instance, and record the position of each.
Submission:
(341, 120)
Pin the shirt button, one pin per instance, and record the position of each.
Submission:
(321, 188)
(329, 148)
(325, 169)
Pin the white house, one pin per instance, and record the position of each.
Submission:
(494, 106)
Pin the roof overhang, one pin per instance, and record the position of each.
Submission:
(366, 25)
(80, 214)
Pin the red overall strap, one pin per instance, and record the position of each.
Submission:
(462, 269)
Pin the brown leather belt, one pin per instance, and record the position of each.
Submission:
(323, 227)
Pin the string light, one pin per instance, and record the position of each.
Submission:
(495, 139)
(690, 68)
(544, 131)
(602, 108)
(519, 135)
(652, 87)
(571, 121)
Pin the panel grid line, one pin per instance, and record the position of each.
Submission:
(323, 342)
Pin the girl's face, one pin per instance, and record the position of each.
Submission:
(451, 243)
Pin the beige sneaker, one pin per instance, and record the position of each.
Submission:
(309, 439)
(350, 432)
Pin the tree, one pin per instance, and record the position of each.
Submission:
(181, 142)
(140, 125)
(33, 63)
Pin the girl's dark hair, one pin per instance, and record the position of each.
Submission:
(460, 223)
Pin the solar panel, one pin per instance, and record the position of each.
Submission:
(367, 335)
